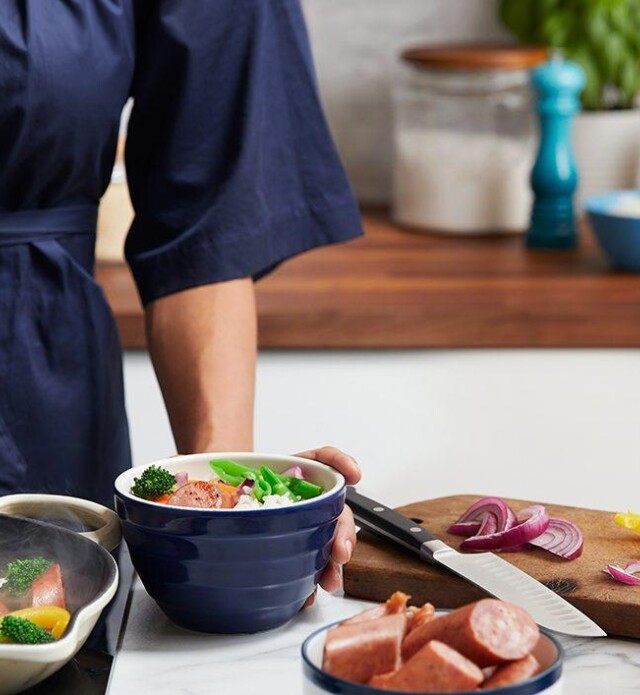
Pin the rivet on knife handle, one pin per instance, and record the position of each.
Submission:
(386, 522)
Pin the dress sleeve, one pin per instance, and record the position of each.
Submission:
(230, 163)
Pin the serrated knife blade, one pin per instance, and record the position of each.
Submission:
(486, 570)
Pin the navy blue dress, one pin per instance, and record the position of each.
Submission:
(231, 170)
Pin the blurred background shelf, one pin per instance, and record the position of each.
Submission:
(399, 289)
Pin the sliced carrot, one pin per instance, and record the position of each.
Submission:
(223, 487)
(162, 500)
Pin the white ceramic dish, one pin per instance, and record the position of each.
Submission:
(197, 465)
(23, 666)
(317, 682)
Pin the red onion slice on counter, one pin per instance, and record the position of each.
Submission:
(561, 538)
(623, 576)
(632, 566)
(532, 522)
(472, 520)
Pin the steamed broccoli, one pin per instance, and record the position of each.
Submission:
(21, 574)
(23, 631)
(153, 482)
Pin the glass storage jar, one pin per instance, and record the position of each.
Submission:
(465, 138)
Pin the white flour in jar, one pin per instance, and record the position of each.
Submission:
(462, 181)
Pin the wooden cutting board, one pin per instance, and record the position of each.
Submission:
(379, 568)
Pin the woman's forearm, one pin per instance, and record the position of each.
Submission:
(202, 343)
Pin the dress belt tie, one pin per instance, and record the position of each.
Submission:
(25, 226)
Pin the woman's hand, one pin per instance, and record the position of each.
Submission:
(345, 536)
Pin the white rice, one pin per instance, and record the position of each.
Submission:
(269, 502)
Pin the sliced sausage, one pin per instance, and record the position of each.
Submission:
(370, 614)
(198, 494)
(48, 590)
(396, 604)
(360, 651)
(435, 668)
(3, 609)
(420, 616)
(513, 672)
(488, 632)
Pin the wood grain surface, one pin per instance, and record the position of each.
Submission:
(378, 568)
(399, 289)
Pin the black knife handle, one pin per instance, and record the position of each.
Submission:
(383, 521)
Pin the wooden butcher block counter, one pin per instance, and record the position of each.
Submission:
(379, 568)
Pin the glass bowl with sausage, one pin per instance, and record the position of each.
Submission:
(489, 646)
(230, 542)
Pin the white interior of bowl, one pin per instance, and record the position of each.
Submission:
(545, 652)
(197, 465)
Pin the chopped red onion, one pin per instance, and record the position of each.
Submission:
(531, 523)
(620, 575)
(247, 485)
(294, 472)
(182, 478)
(561, 538)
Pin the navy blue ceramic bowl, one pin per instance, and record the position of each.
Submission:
(615, 220)
(230, 571)
(549, 681)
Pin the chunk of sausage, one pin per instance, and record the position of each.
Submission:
(435, 668)
(198, 494)
(48, 590)
(488, 632)
(420, 616)
(360, 651)
(513, 672)
(396, 604)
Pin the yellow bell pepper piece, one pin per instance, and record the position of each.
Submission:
(628, 520)
(50, 618)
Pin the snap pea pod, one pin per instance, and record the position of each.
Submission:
(261, 489)
(302, 488)
(277, 486)
(231, 472)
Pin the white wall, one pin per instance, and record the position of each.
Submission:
(356, 44)
(557, 426)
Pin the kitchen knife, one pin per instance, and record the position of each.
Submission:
(486, 570)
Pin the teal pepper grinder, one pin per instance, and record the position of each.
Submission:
(554, 178)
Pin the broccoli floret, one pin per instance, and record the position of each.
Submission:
(21, 574)
(153, 482)
(24, 631)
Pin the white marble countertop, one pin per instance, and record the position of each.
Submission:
(158, 658)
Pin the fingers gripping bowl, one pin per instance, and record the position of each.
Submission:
(231, 570)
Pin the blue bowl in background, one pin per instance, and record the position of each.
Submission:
(230, 571)
(615, 220)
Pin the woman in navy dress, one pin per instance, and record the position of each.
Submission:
(231, 171)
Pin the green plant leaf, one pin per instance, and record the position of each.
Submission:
(602, 35)
(520, 17)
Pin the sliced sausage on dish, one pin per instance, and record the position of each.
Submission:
(420, 616)
(435, 668)
(513, 672)
(199, 494)
(48, 590)
(396, 604)
(357, 652)
(488, 632)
